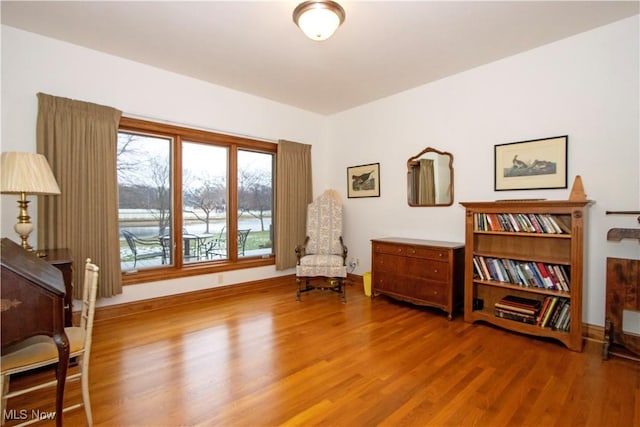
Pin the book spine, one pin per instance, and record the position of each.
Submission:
(513, 316)
(549, 312)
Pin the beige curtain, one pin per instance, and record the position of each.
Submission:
(79, 139)
(293, 193)
(426, 189)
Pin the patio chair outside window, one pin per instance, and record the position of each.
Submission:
(144, 248)
(218, 245)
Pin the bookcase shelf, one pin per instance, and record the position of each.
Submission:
(507, 256)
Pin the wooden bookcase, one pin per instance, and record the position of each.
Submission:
(520, 243)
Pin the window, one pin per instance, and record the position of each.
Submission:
(192, 202)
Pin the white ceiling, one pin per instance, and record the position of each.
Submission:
(383, 47)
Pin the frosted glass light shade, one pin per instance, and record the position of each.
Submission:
(318, 19)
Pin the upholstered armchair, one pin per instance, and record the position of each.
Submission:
(322, 258)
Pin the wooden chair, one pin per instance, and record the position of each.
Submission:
(40, 351)
(323, 253)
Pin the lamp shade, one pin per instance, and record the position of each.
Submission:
(26, 173)
(318, 19)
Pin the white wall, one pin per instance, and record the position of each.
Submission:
(585, 87)
(32, 64)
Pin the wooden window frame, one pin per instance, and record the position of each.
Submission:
(233, 143)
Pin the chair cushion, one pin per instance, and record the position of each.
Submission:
(321, 265)
(40, 350)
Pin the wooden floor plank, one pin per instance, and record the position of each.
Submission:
(264, 359)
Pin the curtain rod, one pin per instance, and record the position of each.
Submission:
(193, 126)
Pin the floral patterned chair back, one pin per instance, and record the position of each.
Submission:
(323, 254)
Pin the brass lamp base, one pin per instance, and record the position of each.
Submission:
(24, 227)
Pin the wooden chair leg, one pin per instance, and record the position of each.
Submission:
(4, 388)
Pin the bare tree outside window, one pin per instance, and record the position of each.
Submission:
(144, 191)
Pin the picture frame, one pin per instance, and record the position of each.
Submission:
(531, 165)
(363, 181)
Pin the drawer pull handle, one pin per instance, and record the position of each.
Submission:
(440, 254)
(435, 270)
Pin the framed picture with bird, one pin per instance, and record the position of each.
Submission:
(363, 180)
(531, 165)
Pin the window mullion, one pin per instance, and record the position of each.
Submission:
(177, 201)
(232, 241)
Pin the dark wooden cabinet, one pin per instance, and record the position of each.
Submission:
(62, 260)
(33, 304)
(423, 272)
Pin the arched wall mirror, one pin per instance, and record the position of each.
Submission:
(430, 178)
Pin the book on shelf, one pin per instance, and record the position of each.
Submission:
(527, 221)
(554, 279)
(562, 277)
(509, 223)
(477, 269)
(543, 310)
(519, 304)
(554, 223)
(551, 312)
(492, 221)
(500, 271)
(519, 317)
(511, 271)
(563, 226)
(546, 227)
(485, 269)
(535, 223)
(546, 278)
(561, 310)
(533, 277)
(548, 311)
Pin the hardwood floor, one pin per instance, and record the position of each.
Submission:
(263, 359)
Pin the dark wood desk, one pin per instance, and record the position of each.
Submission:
(33, 295)
(63, 261)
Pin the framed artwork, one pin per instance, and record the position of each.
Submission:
(531, 165)
(363, 180)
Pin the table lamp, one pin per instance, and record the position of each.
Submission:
(26, 173)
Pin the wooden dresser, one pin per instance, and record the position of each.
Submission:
(423, 272)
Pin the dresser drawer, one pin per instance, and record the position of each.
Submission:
(413, 251)
(435, 293)
(427, 253)
(394, 283)
(389, 248)
(390, 263)
(426, 268)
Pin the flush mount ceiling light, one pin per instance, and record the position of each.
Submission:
(318, 19)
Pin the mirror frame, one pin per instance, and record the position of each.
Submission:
(414, 159)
